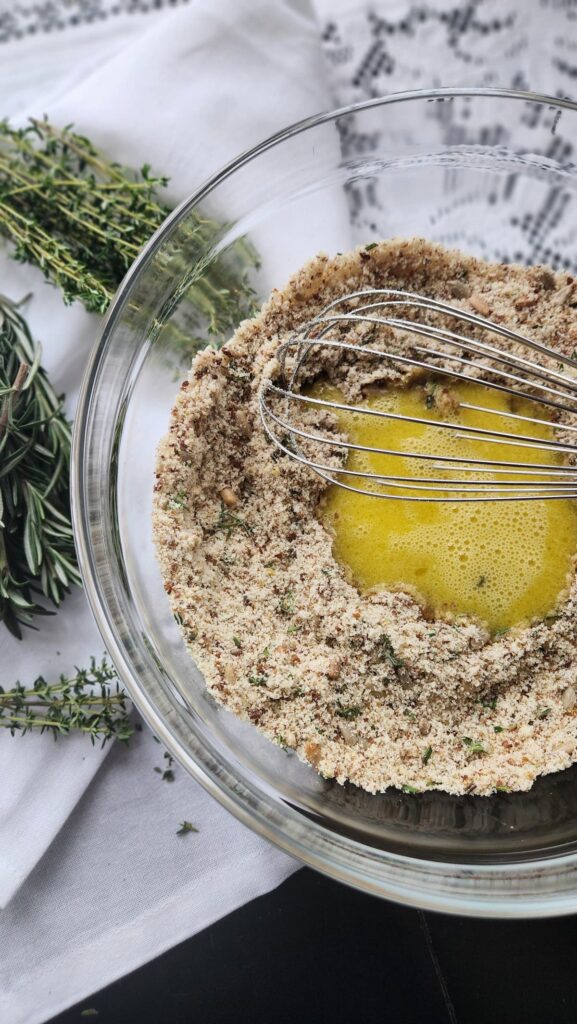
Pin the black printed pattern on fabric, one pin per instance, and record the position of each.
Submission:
(24, 20)
(396, 45)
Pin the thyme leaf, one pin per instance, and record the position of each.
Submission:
(286, 605)
(258, 680)
(386, 652)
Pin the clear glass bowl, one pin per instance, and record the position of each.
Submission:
(489, 172)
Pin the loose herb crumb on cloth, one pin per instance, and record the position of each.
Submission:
(186, 827)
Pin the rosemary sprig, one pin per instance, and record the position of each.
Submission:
(37, 555)
(83, 219)
(86, 702)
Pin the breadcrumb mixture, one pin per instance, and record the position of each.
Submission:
(365, 688)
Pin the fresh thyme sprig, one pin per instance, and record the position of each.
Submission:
(83, 220)
(89, 702)
(79, 217)
(37, 555)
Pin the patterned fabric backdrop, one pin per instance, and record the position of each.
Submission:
(27, 19)
(385, 46)
(372, 49)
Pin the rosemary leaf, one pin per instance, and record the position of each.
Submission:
(37, 556)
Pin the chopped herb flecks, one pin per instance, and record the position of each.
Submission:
(178, 501)
(167, 772)
(387, 653)
(259, 680)
(286, 605)
(228, 521)
(350, 711)
(474, 747)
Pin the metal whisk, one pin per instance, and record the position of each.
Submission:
(460, 358)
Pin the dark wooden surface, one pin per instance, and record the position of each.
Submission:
(313, 951)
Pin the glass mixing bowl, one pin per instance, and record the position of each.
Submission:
(490, 172)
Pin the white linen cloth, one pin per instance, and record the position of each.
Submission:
(186, 95)
(185, 90)
(49, 47)
(118, 886)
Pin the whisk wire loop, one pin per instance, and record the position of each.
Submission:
(509, 372)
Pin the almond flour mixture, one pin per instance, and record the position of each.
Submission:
(365, 688)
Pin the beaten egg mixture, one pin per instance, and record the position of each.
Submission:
(502, 562)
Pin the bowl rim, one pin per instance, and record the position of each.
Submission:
(482, 890)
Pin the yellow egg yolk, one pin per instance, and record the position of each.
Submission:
(501, 562)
